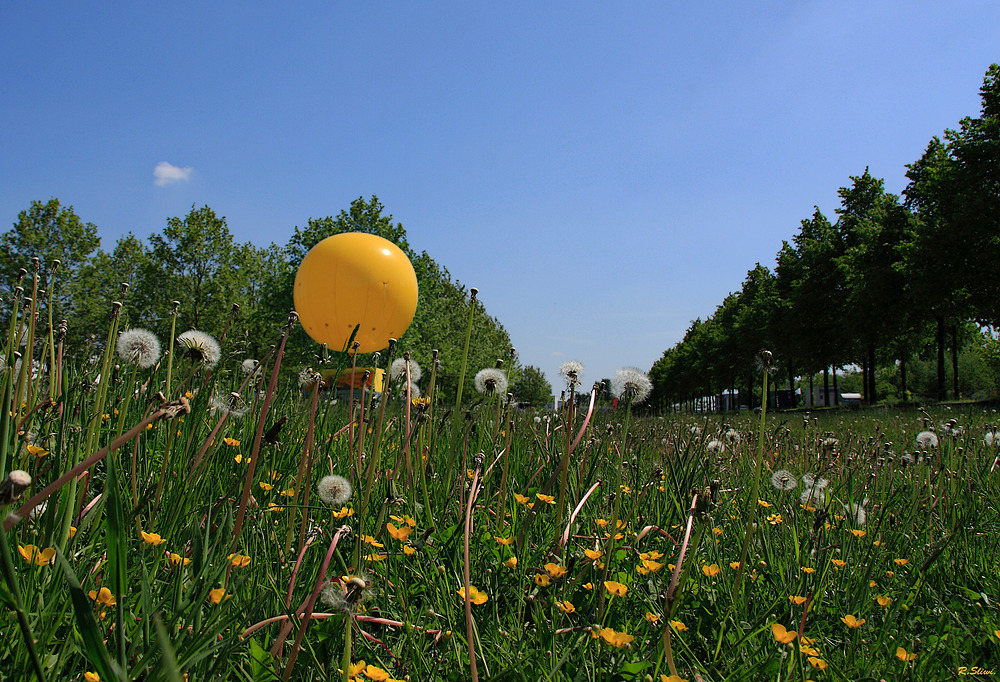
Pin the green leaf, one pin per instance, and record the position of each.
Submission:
(87, 626)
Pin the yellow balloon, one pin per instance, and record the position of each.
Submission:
(355, 278)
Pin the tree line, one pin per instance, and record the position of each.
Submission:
(217, 284)
(886, 283)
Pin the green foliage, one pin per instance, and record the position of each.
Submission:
(531, 388)
(189, 594)
(863, 290)
(49, 232)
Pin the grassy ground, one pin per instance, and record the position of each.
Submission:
(607, 546)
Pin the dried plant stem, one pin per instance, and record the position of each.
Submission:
(169, 410)
(259, 435)
(466, 573)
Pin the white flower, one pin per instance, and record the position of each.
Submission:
(234, 406)
(715, 446)
(927, 440)
(139, 346)
(814, 496)
(991, 439)
(249, 366)
(571, 371)
(857, 513)
(397, 370)
(784, 480)
(199, 347)
(811, 481)
(631, 385)
(334, 490)
(414, 390)
(491, 381)
(733, 436)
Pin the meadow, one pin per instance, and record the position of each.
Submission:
(199, 515)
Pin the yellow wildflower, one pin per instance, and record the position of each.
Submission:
(616, 589)
(781, 635)
(152, 538)
(555, 570)
(475, 596)
(852, 622)
(103, 596)
(616, 639)
(399, 533)
(36, 555)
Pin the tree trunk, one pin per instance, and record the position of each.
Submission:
(873, 391)
(812, 393)
(902, 376)
(954, 360)
(836, 391)
(826, 385)
(940, 357)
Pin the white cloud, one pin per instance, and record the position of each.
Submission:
(166, 174)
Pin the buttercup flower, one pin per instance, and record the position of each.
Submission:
(616, 589)
(36, 555)
(852, 622)
(475, 596)
(781, 635)
(616, 639)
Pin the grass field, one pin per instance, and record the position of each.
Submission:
(238, 528)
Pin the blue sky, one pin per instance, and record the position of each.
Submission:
(603, 173)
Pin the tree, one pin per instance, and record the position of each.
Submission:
(196, 262)
(532, 388)
(50, 232)
(873, 225)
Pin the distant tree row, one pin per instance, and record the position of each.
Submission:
(196, 262)
(872, 287)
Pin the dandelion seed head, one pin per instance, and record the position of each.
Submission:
(397, 370)
(249, 367)
(927, 440)
(856, 513)
(491, 381)
(139, 346)
(308, 379)
(814, 496)
(334, 490)
(571, 371)
(715, 447)
(199, 347)
(784, 480)
(233, 405)
(631, 384)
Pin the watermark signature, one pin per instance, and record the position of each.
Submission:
(975, 670)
